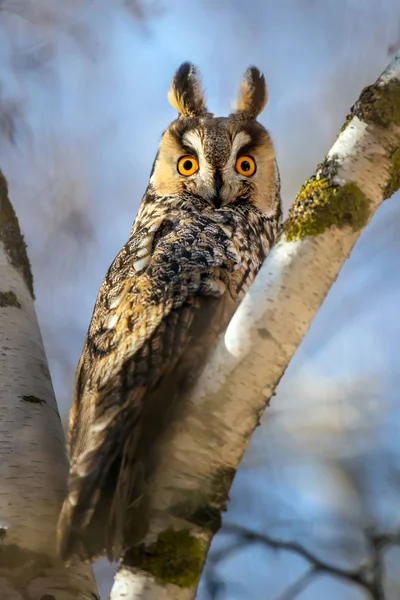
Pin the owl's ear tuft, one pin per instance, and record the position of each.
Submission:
(185, 93)
(253, 94)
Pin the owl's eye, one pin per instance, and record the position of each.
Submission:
(246, 165)
(187, 165)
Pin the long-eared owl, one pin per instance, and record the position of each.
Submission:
(207, 221)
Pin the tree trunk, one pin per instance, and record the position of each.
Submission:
(202, 453)
(33, 464)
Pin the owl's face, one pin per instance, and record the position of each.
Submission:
(223, 159)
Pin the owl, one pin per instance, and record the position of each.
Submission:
(207, 220)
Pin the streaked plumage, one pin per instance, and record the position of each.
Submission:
(193, 251)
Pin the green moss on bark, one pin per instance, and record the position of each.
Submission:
(175, 557)
(9, 299)
(379, 104)
(13, 557)
(394, 179)
(320, 205)
(11, 237)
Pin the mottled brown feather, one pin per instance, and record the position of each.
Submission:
(164, 302)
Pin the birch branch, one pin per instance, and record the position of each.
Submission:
(200, 457)
(33, 464)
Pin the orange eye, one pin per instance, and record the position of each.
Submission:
(187, 165)
(246, 165)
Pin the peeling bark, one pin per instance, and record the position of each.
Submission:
(206, 444)
(33, 463)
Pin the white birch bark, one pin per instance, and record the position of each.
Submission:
(33, 464)
(208, 441)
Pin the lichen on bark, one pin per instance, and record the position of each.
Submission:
(9, 299)
(175, 557)
(394, 177)
(11, 237)
(321, 204)
(378, 103)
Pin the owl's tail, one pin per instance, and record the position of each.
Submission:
(104, 481)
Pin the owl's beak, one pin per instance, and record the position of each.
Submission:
(218, 183)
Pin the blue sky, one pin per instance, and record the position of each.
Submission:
(92, 123)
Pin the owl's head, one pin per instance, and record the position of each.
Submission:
(222, 159)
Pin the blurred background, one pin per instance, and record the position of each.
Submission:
(83, 88)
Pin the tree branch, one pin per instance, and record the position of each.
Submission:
(298, 586)
(33, 465)
(202, 452)
(368, 575)
(246, 537)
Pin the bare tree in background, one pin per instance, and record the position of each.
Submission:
(32, 32)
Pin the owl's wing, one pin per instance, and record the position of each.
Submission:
(141, 326)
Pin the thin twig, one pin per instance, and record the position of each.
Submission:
(355, 575)
(368, 576)
(298, 586)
